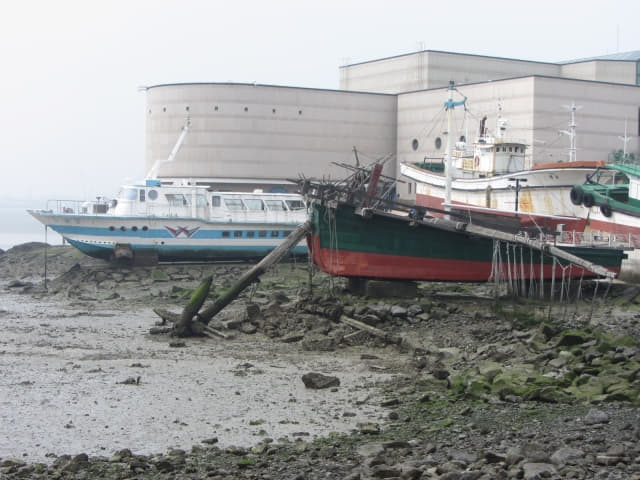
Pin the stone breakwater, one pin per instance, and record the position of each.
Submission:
(483, 388)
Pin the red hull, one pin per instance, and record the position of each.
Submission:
(358, 264)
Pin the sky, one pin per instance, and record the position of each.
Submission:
(72, 72)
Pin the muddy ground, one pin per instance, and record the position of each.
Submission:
(481, 387)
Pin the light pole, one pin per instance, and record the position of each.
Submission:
(517, 180)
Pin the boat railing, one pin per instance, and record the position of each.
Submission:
(86, 207)
(599, 238)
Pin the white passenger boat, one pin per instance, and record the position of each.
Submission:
(152, 221)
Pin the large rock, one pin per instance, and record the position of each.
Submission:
(318, 380)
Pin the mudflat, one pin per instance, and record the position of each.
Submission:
(480, 387)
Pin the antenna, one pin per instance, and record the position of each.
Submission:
(573, 108)
(625, 140)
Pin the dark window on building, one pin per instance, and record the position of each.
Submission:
(262, 233)
(237, 233)
(226, 234)
(251, 234)
(274, 233)
(142, 194)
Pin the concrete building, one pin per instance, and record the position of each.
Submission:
(256, 136)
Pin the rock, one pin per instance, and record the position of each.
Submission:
(369, 428)
(383, 471)
(595, 416)
(398, 312)
(319, 381)
(566, 456)
(537, 471)
(318, 343)
(292, 337)
(248, 328)
(253, 312)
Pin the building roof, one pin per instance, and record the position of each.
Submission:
(632, 56)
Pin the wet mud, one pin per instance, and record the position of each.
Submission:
(78, 378)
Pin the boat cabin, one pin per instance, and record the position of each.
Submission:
(196, 201)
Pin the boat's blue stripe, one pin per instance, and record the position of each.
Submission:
(160, 233)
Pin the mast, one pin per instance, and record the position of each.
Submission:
(449, 105)
(625, 140)
(572, 130)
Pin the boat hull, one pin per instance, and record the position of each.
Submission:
(546, 192)
(344, 243)
(170, 239)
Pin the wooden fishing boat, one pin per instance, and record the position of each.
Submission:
(352, 241)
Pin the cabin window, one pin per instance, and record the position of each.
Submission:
(409, 187)
(134, 228)
(275, 204)
(123, 228)
(145, 228)
(226, 234)
(254, 204)
(286, 233)
(295, 204)
(415, 144)
(234, 204)
(251, 234)
(262, 233)
(201, 200)
(463, 139)
(237, 233)
(130, 193)
(142, 194)
(510, 149)
(274, 233)
(112, 228)
(176, 199)
(153, 194)
(215, 201)
(438, 143)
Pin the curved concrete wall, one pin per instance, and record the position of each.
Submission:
(242, 131)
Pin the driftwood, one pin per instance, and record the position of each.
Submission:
(387, 337)
(192, 321)
(249, 277)
(183, 327)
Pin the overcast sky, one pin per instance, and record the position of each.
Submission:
(72, 118)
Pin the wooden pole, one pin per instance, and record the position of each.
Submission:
(249, 277)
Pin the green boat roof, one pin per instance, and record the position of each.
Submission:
(629, 169)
